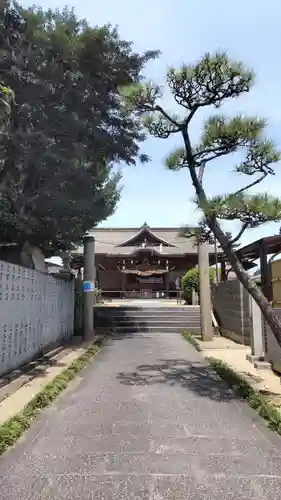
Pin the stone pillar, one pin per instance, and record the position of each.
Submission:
(257, 338)
(66, 272)
(66, 260)
(194, 296)
(205, 293)
(88, 287)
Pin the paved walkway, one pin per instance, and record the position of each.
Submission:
(235, 355)
(148, 420)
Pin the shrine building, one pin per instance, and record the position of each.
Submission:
(140, 262)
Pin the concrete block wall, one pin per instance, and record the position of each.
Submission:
(272, 348)
(232, 308)
(36, 311)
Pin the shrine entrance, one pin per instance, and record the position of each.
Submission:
(145, 284)
(145, 293)
(146, 276)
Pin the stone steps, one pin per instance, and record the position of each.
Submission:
(130, 319)
(156, 321)
(155, 329)
(163, 309)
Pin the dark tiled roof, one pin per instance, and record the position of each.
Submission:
(272, 244)
(109, 239)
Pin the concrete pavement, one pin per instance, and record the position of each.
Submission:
(30, 384)
(235, 355)
(148, 420)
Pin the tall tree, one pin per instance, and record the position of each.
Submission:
(67, 127)
(209, 83)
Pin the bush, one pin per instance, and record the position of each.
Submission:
(191, 281)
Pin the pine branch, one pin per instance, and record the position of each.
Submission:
(160, 127)
(201, 234)
(223, 135)
(217, 153)
(254, 183)
(190, 116)
(251, 209)
(167, 116)
(208, 82)
(242, 230)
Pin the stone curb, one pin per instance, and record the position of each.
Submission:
(22, 395)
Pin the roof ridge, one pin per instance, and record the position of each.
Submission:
(158, 228)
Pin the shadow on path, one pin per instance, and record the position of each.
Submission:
(194, 376)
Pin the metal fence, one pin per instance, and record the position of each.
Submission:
(36, 310)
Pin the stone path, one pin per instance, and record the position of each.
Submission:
(235, 355)
(148, 420)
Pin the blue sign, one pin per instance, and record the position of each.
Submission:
(88, 286)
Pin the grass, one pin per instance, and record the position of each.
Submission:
(13, 429)
(192, 340)
(256, 400)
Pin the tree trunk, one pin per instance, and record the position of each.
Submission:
(267, 311)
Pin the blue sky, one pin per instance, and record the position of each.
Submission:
(183, 31)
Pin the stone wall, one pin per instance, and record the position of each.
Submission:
(232, 308)
(36, 311)
(272, 348)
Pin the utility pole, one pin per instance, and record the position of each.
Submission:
(89, 287)
(205, 292)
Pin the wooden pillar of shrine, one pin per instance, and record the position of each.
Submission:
(167, 279)
(266, 284)
(167, 283)
(124, 281)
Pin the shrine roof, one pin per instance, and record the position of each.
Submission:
(127, 241)
(271, 245)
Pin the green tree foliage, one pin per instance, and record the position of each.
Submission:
(208, 84)
(67, 128)
(191, 280)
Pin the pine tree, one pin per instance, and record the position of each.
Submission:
(208, 84)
